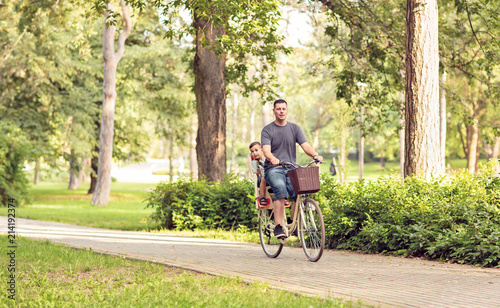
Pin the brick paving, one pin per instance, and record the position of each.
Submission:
(376, 280)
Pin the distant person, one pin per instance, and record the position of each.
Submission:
(333, 168)
(181, 166)
(258, 169)
(279, 139)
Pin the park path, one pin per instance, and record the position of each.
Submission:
(375, 280)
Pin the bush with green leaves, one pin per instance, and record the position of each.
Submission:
(455, 218)
(14, 150)
(449, 218)
(192, 204)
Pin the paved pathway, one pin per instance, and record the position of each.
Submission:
(376, 280)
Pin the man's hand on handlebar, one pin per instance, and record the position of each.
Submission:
(275, 162)
(318, 158)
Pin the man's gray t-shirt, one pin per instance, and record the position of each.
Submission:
(282, 140)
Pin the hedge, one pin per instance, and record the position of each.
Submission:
(448, 218)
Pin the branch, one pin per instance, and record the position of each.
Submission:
(451, 64)
(125, 33)
(472, 28)
(7, 55)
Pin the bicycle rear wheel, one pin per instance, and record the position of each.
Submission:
(312, 229)
(271, 245)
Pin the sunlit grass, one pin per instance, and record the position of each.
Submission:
(50, 275)
(54, 202)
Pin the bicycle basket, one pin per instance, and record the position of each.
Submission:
(305, 180)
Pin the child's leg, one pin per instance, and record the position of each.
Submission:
(263, 187)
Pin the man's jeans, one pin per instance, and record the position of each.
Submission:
(279, 182)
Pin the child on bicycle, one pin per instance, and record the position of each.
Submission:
(258, 169)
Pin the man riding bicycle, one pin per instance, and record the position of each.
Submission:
(278, 140)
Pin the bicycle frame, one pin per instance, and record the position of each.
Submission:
(289, 228)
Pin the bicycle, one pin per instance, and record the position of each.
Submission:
(307, 219)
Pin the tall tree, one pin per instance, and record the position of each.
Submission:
(422, 148)
(111, 59)
(210, 90)
(225, 33)
(471, 53)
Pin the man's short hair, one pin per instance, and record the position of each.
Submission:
(254, 144)
(279, 101)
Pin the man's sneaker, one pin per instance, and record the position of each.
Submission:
(278, 232)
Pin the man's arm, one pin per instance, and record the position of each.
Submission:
(308, 149)
(269, 156)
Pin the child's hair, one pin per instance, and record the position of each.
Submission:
(254, 144)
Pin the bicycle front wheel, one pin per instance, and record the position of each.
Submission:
(312, 229)
(271, 245)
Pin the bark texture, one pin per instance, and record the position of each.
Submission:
(192, 151)
(94, 166)
(210, 91)
(111, 59)
(422, 145)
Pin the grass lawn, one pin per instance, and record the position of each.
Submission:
(49, 275)
(54, 202)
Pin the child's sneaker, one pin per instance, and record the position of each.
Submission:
(263, 202)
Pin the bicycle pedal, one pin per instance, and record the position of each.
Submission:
(283, 240)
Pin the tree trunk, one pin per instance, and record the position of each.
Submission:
(442, 123)
(36, 180)
(255, 104)
(473, 134)
(343, 154)
(472, 146)
(192, 151)
(111, 59)
(265, 115)
(495, 152)
(94, 167)
(170, 145)
(74, 172)
(317, 129)
(422, 148)
(83, 175)
(210, 91)
(234, 133)
(361, 145)
(496, 149)
(74, 181)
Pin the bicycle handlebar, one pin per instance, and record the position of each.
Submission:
(284, 163)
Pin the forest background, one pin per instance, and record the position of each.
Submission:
(343, 81)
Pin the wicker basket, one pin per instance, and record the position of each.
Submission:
(305, 180)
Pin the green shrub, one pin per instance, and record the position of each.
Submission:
(454, 219)
(191, 204)
(14, 149)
